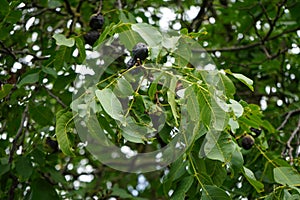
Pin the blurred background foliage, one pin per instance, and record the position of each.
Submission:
(259, 39)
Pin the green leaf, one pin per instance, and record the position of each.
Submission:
(63, 118)
(170, 42)
(259, 187)
(4, 168)
(108, 30)
(63, 41)
(244, 79)
(41, 114)
(123, 194)
(212, 115)
(81, 49)
(123, 88)
(182, 187)
(62, 56)
(24, 167)
(49, 71)
(41, 189)
(128, 37)
(192, 104)
(287, 176)
(237, 162)
(123, 18)
(217, 146)
(236, 107)
(150, 34)
(171, 98)
(216, 170)
(227, 85)
(5, 90)
(4, 7)
(184, 31)
(134, 132)
(210, 192)
(234, 125)
(177, 169)
(111, 104)
(29, 79)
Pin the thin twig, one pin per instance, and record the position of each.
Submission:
(18, 135)
(288, 115)
(248, 46)
(119, 4)
(100, 7)
(288, 144)
(56, 98)
(196, 23)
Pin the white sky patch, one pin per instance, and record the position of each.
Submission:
(127, 151)
(192, 13)
(16, 66)
(209, 67)
(295, 49)
(263, 103)
(86, 178)
(167, 15)
(84, 70)
(29, 23)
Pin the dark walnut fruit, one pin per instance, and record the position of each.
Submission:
(247, 142)
(139, 53)
(91, 37)
(96, 21)
(50, 145)
(256, 131)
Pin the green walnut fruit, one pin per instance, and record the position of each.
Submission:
(96, 21)
(247, 142)
(91, 37)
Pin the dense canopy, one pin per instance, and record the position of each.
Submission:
(209, 109)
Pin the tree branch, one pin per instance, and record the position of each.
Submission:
(196, 23)
(288, 115)
(18, 135)
(100, 7)
(56, 98)
(248, 46)
(288, 144)
(119, 3)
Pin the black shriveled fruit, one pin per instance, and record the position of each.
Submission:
(91, 37)
(139, 53)
(256, 131)
(51, 145)
(96, 21)
(247, 142)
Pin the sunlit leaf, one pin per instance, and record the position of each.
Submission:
(150, 34)
(259, 186)
(5, 90)
(62, 40)
(29, 79)
(171, 98)
(287, 176)
(236, 107)
(123, 88)
(111, 104)
(210, 192)
(63, 118)
(182, 187)
(244, 79)
(217, 146)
